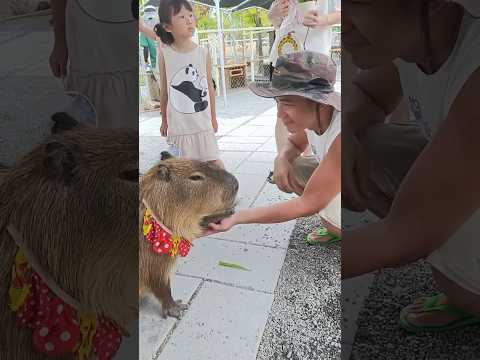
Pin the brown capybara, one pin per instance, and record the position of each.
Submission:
(73, 203)
(184, 196)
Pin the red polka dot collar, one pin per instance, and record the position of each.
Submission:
(162, 240)
(58, 327)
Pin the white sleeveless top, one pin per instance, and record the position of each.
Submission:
(188, 109)
(294, 36)
(430, 98)
(320, 145)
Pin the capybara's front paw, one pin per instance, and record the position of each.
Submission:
(174, 309)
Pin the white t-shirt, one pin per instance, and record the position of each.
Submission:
(430, 98)
(320, 145)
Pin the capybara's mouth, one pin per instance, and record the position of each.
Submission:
(216, 218)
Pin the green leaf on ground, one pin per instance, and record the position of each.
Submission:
(232, 265)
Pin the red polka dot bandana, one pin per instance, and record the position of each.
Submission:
(56, 327)
(162, 241)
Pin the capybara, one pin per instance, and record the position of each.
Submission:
(70, 206)
(183, 197)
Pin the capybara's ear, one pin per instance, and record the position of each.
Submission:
(164, 155)
(163, 172)
(63, 122)
(59, 161)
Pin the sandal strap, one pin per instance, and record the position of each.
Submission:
(432, 304)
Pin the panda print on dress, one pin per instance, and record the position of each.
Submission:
(189, 91)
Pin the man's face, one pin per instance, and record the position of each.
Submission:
(296, 113)
(376, 32)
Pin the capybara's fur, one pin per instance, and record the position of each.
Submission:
(74, 201)
(185, 196)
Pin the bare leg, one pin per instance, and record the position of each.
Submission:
(455, 296)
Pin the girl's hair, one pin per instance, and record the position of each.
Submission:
(166, 10)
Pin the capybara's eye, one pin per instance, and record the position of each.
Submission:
(197, 177)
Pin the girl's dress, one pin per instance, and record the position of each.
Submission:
(102, 44)
(188, 111)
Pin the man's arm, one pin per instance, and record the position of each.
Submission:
(295, 145)
(437, 196)
(323, 186)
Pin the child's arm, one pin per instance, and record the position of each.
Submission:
(323, 186)
(146, 30)
(59, 55)
(163, 91)
(278, 10)
(316, 20)
(439, 193)
(211, 92)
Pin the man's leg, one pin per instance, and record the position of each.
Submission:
(304, 166)
(393, 148)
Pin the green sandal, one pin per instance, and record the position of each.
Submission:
(319, 233)
(432, 304)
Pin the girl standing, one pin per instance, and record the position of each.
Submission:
(186, 88)
(93, 54)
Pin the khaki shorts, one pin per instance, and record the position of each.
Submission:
(392, 149)
(304, 168)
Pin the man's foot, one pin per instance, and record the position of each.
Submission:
(321, 236)
(434, 314)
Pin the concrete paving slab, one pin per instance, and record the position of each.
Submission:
(244, 139)
(273, 235)
(263, 156)
(271, 195)
(151, 127)
(232, 159)
(153, 327)
(232, 329)
(150, 148)
(264, 131)
(239, 147)
(265, 120)
(249, 187)
(246, 130)
(254, 168)
(264, 263)
(270, 145)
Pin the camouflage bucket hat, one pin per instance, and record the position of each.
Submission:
(308, 74)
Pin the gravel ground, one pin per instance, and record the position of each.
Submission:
(379, 335)
(304, 322)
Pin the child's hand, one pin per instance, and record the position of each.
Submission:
(215, 125)
(58, 60)
(163, 129)
(314, 19)
(279, 9)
